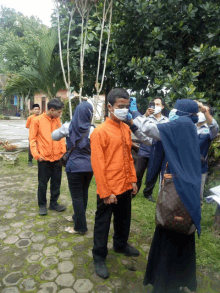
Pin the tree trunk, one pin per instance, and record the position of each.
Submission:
(107, 90)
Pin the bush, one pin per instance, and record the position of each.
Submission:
(4, 117)
(65, 114)
(6, 146)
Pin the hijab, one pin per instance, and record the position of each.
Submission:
(181, 145)
(80, 124)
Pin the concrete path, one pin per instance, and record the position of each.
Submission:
(14, 131)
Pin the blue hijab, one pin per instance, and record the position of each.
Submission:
(81, 123)
(181, 145)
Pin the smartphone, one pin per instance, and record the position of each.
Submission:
(151, 105)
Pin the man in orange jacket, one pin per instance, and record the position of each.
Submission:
(36, 112)
(48, 153)
(115, 175)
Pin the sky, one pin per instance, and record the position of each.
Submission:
(40, 8)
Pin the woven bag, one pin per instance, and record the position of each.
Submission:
(170, 211)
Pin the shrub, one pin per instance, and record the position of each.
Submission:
(6, 146)
(65, 114)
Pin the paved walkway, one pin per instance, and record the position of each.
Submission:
(14, 131)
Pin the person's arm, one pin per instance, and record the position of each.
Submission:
(61, 132)
(33, 139)
(28, 123)
(144, 128)
(212, 123)
(98, 164)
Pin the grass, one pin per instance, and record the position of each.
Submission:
(143, 216)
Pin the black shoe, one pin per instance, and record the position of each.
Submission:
(57, 208)
(101, 270)
(150, 198)
(42, 211)
(128, 251)
(30, 164)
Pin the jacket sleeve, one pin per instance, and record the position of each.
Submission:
(213, 128)
(132, 168)
(33, 139)
(61, 132)
(28, 122)
(146, 128)
(98, 164)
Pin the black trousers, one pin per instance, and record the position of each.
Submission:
(150, 184)
(30, 157)
(122, 221)
(141, 166)
(49, 171)
(78, 185)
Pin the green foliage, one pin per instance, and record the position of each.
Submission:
(65, 113)
(174, 45)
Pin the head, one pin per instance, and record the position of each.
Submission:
(55, 108)
(185, 107)
(118, 103)
(159, 105)
(83, 113)
(36, 109)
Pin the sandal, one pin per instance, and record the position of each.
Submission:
(72, 231)
(69, 218)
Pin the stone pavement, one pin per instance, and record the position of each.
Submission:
(14, 131)
(37, 255)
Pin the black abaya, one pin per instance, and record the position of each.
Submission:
(171, 262)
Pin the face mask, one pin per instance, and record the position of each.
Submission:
(172, 115)
(202, 117)
(157, 110)
(121, 114)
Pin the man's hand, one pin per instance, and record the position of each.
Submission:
(111, 199)
(41, 159)
(135, 189)
(149, 112)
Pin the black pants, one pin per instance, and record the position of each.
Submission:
(150, 184)
(78, 186)
(122, 220)
(30, 157)
(49, 171)
(141, 166)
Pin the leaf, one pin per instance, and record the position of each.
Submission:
(190, 7)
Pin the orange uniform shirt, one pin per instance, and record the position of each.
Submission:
(111, 158)
(41, 143)
(29, 120)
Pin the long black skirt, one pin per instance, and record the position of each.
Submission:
(171, 262)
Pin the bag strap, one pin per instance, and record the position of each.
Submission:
(78, 141)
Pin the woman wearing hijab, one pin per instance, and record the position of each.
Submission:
(78, 167)
(172, 257)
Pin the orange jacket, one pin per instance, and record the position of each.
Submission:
(111, 158)
(29, 120)
(41, 143)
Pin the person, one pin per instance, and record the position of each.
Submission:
(36, 112)
(207, 129)
(115, 177)
(172, 257)
(48, 153)
(78, 167)
(147, 155)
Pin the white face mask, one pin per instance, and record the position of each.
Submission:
(157, 110)
(121, 114)
(202, 117)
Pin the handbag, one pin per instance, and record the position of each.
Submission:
(170, 211)
(65, 157)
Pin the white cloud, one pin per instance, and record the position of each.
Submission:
(40, 8)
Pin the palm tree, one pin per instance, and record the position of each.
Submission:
(43, 72)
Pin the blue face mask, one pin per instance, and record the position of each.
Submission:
(172, 115)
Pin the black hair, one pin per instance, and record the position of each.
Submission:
(35, 105)
(56, 104)
(162, 100)
(117, 93)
